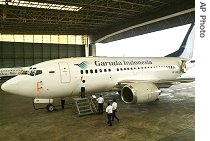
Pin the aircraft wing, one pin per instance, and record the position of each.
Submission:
(169, 82)
(164, 83)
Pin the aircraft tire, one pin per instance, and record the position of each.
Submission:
(50, 107)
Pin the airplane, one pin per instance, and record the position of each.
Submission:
(137, 79)
(7, 73)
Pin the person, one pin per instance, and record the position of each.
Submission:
(83, 89)
(109, 114)
(114, 110)
(100, 104)
(62, 103)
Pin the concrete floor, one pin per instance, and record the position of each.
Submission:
(172, 118)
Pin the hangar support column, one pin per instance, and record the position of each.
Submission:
(86, 43)
(92, 49)
(92, 46)
(86, 50)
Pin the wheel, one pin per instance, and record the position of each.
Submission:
(50, 107)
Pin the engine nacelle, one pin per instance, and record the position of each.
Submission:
(139, 93)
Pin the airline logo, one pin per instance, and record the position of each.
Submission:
(83, 65)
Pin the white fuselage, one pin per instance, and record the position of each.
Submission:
(62, 77)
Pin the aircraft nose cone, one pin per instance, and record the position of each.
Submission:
(9, 87)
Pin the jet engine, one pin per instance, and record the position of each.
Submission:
(139, 92)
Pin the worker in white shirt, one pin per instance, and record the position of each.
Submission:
(114, 110)
(100, 104)
(109, 114)
(83, 89)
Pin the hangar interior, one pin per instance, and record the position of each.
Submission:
(35, 31)
(26, 50)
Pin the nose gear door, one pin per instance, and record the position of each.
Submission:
(64, 72)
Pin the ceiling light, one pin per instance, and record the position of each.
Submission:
(39, 5)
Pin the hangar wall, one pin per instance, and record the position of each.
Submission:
(20, 54)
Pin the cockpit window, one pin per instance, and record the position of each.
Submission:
(35, 72)
(32, 72)
(38, 72)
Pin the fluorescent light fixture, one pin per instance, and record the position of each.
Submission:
(39, 5)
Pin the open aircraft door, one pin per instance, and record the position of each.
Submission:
(64, 72)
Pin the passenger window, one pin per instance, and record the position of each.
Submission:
(32, 72)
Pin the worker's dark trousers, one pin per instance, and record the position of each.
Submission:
(82, 92)
(114, 115)
(109, 116)
(62, 103)
(100, 108)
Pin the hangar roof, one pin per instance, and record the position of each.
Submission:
(91, 17)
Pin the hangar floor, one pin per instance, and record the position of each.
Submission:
(171, 118)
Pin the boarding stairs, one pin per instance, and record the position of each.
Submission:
(84, 106)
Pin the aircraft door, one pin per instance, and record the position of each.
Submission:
(64, 72)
